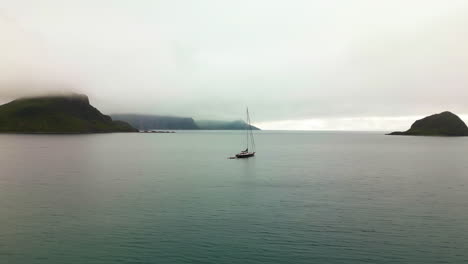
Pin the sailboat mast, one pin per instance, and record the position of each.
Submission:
(250, 150)
(250, 132)
(247, 128)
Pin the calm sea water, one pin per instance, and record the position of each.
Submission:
(307, 197)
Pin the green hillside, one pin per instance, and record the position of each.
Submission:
(57, 114)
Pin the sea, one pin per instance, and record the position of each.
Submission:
(306, 197)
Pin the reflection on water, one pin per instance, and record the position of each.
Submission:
(306, 197)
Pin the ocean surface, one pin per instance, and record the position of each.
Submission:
(307, 197)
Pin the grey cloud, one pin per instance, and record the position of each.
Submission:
(287, 60)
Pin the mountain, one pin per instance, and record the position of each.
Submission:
(223, 125)
(443, 124)
(71, 113)
(147, 122)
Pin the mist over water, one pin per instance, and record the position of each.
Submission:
(307, 197)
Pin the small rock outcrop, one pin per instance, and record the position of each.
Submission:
(443, 124)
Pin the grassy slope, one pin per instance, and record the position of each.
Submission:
(56, 114)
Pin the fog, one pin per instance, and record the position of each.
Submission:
(347, 65)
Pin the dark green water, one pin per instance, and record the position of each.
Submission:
(307, 197)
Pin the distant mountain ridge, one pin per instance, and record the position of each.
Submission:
(148, 122)
(70, 113)
(223, 125)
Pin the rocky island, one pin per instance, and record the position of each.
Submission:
(443, 124)
(70, 113)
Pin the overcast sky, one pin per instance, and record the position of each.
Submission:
(353, 65)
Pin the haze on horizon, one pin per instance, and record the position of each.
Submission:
(346, 65)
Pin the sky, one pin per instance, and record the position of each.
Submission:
(306, 65)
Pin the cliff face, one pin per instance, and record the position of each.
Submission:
(56, 114)
(443, 124)
(147, 122)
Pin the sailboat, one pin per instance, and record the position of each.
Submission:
(250, 143)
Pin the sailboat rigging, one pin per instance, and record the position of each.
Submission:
(250, 142)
